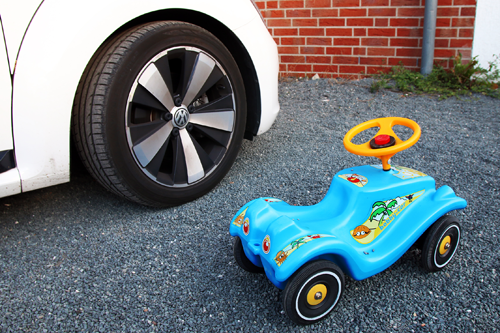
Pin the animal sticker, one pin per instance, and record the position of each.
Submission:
(238, 221)
(355, 179)
(402, 172)
(382, 215)
(282, 255)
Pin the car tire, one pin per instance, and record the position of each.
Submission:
(441, 243)
(313, 292)
(241, 258)
(160, 113)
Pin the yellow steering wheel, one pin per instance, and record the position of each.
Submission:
(385, 143)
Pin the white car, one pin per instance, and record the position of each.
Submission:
(157, 95)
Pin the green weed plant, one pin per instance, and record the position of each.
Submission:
(461, 79)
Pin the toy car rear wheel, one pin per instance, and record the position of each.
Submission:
(441, 243)
(313, 292)
(242, 260)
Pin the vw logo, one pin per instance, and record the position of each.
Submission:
(181, 118)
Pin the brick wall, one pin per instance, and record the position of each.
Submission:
(346, 38)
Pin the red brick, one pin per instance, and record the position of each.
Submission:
(408, 52)
(288, 50)
(464, 2)
(443, 22)
(399, 3)
(261, 4)
(466, 33)
(312, 32)
(319, 41)
(377, 70)
(382, 32)
(279, 22)
(312, 50)
(381, 22)
(441, 3)
(293, 41)
(298, 13)
(360, 32)
(346, 41)
(326, 68)
(381, 51)
(373, 61)
(468, 11)
(441, 42)
(406, 61)
(299, 68)
(345, 3)
(339, 32)
(319, 59)
(325, 12)
(418, 11)
(339, 50)
(462, 22)
(277, 41)
(460, 43)
(447, 11)
(359, 50)
(359, 22)
(443, 53)
(292, 74)
(318, 3)
(399, 22)
(466, 54)
(446, 32)
(410, 32)
(382, 12)
(282, 67)
(305, 22)
(293, 59)
(412, 42)
(351, 69)
(331, 22)
(291, 3)
(366, 3)
(272, 4)
(286, 31)
(273, 13)
(375, 41)
(352, 12)
(345, 60)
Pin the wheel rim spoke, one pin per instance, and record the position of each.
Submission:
(222, 120)
(147, 149)
(194, 167)
(152, 80)
(201, 72)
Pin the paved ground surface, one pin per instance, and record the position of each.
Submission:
(76, 258)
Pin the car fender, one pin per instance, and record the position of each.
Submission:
(55, 52)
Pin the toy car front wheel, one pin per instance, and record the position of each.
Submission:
(441, 243)
(242, 260)
(313, 291)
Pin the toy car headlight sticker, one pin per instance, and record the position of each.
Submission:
(246, 226)
(382, 214)
(403, 172)
(282, 255)
(266, 244)
(239, 220)
(355, 179)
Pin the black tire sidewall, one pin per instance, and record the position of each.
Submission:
(241, 258)
(432, 242)
(156, 40)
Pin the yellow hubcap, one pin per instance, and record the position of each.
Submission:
(316, 294)
(445, 245)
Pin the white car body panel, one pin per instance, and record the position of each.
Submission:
(5, 113)
(55, 51)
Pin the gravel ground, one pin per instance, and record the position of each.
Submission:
(76, 258)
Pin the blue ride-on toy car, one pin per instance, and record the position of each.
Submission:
(369, 218)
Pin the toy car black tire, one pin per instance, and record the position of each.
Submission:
(313, 292)
(242, 260)
(441, 243)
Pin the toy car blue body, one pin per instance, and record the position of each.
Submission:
(369, 218)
